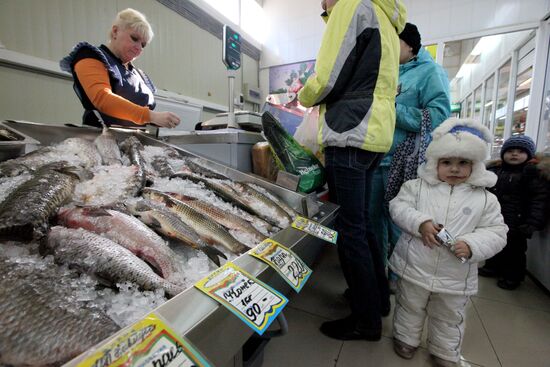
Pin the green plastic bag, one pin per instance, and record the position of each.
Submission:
(291, 157)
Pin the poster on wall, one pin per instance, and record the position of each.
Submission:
(284, 79)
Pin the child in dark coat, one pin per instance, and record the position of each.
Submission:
(523, 195)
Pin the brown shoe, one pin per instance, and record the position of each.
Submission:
(403, 350)
(440, 362)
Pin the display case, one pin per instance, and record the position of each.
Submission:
(211, 328)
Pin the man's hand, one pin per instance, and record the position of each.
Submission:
(429, 230)
(164, 119)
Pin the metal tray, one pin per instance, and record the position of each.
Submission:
(14, 148)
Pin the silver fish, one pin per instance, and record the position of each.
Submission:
(169, 224)
(161, 165)
(108, 148)
(104, 258)
(209, 230)
(25, 212)
(132, 147)
(225, 218)
(197, 166)
(41, 321)
(287, 208)
(128, 232)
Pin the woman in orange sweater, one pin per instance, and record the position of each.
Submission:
(106, 80)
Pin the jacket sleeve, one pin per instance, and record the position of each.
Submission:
(537, 188)
(330, 56)
(434, 96)
(403, 208)
(489, 236)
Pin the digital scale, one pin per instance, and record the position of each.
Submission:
(246, 120)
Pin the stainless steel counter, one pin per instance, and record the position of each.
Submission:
(216, 332)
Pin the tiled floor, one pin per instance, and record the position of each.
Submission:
(503, 329)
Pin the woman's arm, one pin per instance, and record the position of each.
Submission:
(94, 79)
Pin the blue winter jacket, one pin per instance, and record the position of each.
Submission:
(423, 84)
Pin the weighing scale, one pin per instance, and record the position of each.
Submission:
(246, 120)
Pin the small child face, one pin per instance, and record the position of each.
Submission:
(515, 156)
(454, 171)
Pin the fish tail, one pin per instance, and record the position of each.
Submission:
(213, 254)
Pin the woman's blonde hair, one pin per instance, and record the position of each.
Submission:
(131, 18)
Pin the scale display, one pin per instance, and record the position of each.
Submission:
(231, 48)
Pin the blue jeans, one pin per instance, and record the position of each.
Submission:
(349, 174)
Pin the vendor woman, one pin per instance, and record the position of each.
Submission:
(106, 80)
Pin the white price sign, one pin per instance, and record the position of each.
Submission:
(315, 229)
(293, 270)
(252, 301)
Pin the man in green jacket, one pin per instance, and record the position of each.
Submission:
(355, 84)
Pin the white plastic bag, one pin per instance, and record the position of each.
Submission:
(306, 133)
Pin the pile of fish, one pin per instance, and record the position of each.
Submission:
(119, 212)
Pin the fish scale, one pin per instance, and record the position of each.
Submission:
(41, 321)
(25, 212)
(100, 256)
(130, 233)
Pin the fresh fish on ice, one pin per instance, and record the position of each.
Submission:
(132, 147)
(209, 230)
(41, 321)
(225, 218)
(94, 254)
(128, 232)
(197, 166)
(24, 213)
(169, 224)
(162, 166)
(108, 148)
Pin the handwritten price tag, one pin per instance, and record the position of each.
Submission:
(293, 270)
(249, 299)
(315, 229)
(148, 343)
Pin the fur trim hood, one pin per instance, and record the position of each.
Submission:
(540, 161)
(460, 138)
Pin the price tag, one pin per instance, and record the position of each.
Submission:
(249, 299)
(149, 342)
(315, 229)
(293, 270)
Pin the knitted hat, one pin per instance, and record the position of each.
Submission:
(460, 138)
(522, 142)
(411, 36)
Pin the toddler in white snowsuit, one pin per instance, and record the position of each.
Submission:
(449, 192)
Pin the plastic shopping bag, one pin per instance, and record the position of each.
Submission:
(306, 133)
(290, 156)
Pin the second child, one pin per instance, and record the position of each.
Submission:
(434, 284)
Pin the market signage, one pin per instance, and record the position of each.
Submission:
(315, 229)
(251, 300)
(148, 343)
(293, 270)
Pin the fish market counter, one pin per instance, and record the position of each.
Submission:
(218, 334)
(232, 147)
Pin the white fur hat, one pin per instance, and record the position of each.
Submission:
(460, 138)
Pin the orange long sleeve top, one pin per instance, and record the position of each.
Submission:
(95, 81)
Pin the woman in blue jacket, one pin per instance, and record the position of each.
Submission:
(423, 85)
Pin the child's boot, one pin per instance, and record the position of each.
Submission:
(403, 350)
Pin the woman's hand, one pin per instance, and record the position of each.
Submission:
(164, 119)
(428, 230)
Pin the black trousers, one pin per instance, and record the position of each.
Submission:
(511, 262)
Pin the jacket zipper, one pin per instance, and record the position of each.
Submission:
(444, 224)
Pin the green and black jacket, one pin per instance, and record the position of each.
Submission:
(355, 80)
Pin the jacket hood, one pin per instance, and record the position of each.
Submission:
(395, 11)
(423, 57)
